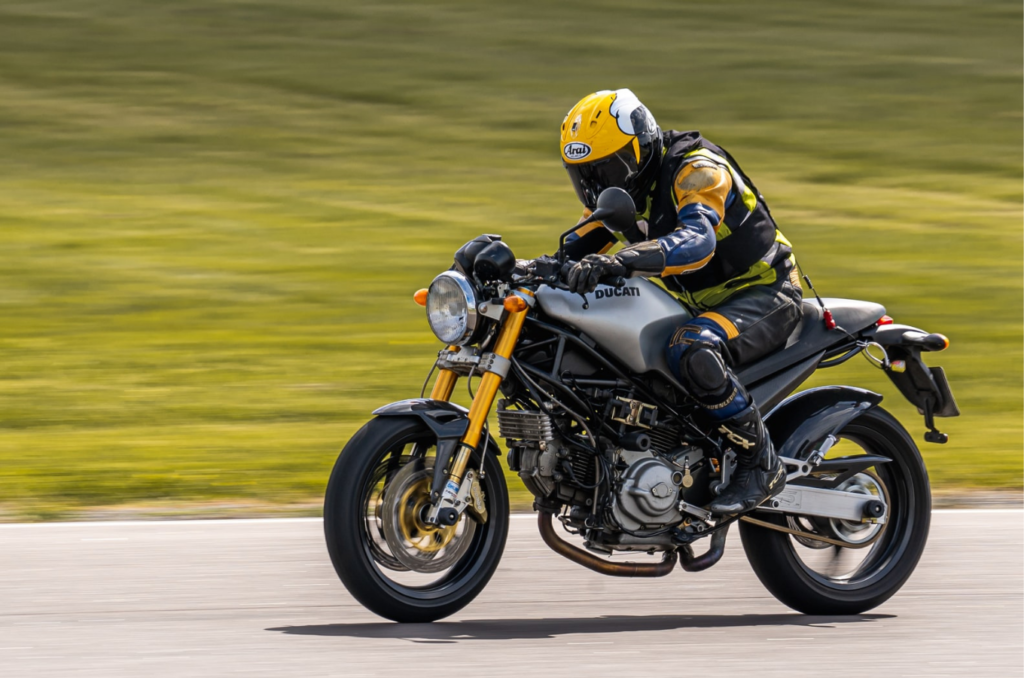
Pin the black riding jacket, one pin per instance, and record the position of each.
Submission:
(705, 230)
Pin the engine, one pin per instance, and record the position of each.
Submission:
(550, 468)
(648, 494)
(646, 484)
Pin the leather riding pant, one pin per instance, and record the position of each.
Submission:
(747, 326)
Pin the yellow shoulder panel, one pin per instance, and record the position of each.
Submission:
(703, 182)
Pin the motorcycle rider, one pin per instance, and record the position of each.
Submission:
(706, 231)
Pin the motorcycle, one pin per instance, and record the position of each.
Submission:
(615, 452)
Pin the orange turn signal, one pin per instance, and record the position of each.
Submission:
(945, 339)
(420, 297)
(515, 304)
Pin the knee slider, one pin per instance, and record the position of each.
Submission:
(703, 368)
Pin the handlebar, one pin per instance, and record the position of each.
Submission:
(548, 270)
(618, 282)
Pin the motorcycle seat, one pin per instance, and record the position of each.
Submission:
(811, 336)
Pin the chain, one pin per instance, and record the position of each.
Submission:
(810, 535)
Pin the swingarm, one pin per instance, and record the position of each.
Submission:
(821, 503)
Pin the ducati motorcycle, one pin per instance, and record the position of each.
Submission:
(617, 454)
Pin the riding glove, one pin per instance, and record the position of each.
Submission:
(584, 275)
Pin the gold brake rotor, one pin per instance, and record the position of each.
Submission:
(417, 533)
(415, 544)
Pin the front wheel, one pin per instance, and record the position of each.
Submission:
(389, 559)
(815, 577)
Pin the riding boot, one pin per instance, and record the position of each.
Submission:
(759, 474)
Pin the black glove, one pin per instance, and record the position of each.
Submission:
(584, 275)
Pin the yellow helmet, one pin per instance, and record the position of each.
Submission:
(610, 139)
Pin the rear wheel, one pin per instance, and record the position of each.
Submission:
(814, 577)
(389, 559)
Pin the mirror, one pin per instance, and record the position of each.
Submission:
(615, 209)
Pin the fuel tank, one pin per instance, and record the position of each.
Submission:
(633, 323)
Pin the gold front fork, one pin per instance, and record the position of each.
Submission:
(484, 398)
(445, 383)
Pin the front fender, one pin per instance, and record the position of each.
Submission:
(801, 421)
(447, 420)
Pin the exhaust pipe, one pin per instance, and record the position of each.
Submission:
(692, 563)
(590, 561)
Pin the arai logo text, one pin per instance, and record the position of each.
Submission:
(617, 292)
(576, 150)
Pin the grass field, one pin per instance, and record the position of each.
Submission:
(213, 214)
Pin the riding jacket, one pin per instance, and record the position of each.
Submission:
(705, 229)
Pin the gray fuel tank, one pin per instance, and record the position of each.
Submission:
(633, 323)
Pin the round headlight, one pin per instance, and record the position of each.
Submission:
(451, 308)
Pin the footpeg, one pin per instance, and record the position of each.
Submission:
(695, 511)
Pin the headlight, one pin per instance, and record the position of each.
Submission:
(451, 308)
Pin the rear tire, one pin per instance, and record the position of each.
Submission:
(773, 555)
(361, 565)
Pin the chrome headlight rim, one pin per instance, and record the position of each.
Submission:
(472, 314)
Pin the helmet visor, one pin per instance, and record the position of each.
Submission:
(590, 178)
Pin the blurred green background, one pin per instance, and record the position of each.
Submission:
(213, 214)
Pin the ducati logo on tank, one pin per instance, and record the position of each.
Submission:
(576, 150)
(613, 292)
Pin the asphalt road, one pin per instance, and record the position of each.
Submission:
(259, 598)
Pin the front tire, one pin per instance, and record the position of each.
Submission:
(371, 574)
(776, 557)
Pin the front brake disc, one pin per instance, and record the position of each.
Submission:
(416, 544)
